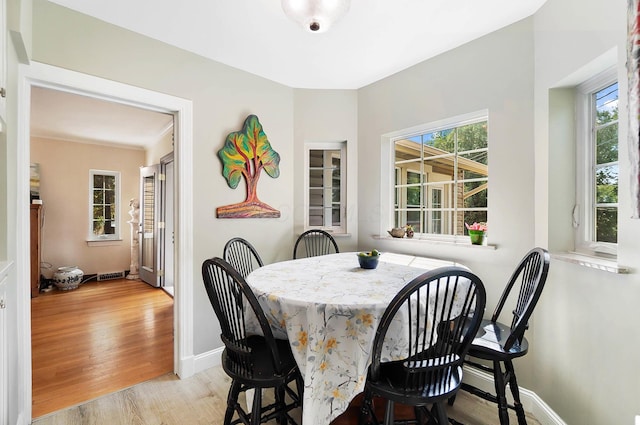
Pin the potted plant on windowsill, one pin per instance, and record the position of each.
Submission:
(476, 232)
(408, 230)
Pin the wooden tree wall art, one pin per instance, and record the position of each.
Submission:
(246, 154)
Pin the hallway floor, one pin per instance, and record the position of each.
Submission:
(98, 339)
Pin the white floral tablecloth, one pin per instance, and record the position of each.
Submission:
(329, 308)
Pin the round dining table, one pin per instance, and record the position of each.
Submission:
(329, 308)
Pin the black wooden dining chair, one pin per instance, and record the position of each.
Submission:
(443, 308)
(508, 342)
(251, 361)
(315, 242)
(242, 256)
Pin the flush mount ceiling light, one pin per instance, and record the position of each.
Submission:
(315, 15)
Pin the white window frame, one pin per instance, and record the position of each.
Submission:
(327, 146)
(106, 237)
(583, 214)
(388, 173)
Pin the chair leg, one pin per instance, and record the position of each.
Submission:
(388, 414)
(500, 385)
(365, 409)
(300, 388)
(232, 401)
(421, 414)
(256, 410)
(515, 391)
(281, 406)
(441, 414)
(452, 400)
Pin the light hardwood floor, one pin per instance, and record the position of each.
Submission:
(87, 347)
(97, 339)
(201, 399)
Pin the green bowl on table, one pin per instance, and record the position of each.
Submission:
(369, 259)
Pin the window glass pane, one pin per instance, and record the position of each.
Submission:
(98, 212)
(474, 165)
(607, 104)
(98, 227)
(439, 172)
(335, 160)
(98, 197)
(474, 217)
(607, 185)
(109, 227)
(98, 181)
(413, 192)
(335, 177)
(414, 219)
(472, 136)
(335, 216)
(109, 197)
(443, 140)
(110, 182)
(476, 198)
(408, 151)
(335, 195)
(607, 225)
(605, 169)
(607, 144)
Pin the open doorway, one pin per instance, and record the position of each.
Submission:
(41, 75)
(88, 153)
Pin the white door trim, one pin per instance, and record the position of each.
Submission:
(42, 75)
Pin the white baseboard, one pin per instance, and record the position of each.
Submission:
(207, 360)
(530, 400)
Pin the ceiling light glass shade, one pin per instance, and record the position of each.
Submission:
(315, 15)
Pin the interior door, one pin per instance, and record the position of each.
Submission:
(149, 224)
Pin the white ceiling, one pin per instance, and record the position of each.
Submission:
(66, 116)
(375, 39)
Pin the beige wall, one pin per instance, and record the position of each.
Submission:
(586, 338)
(64, 185)
(159, 149)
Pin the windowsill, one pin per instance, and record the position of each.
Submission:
(598, 263)
(104, 242)
(460, 242)
(335, 235)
